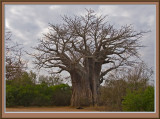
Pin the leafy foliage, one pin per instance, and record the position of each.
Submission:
(61, 95)
(130, 87)
(24, 92)
(139, 100)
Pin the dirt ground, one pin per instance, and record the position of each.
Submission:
(52, 109)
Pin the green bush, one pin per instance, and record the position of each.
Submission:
(25, 95)
(43, 95)
(139, 100)
(149, 99)
(61, 95)
(11, 93)
(22, 92)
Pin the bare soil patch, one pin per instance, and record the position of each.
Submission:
(53, 109)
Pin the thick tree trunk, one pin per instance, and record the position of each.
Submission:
(94, 72)
(81, 91)
(85, 86)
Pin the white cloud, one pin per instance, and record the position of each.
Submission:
(43, 31)
(54, 7)
(108, 10)
(151, 20)
(7, 24)
(113, 10)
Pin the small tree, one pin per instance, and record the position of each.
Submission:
(112, 94)
(124, 82)
(140, 95)
(51, 80)
(139, 76)
(33, 76)
(15, 65)
(81, 46)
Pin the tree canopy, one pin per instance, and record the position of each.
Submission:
(82, 45)
(68, 44)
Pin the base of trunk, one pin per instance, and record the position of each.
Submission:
(81, 97)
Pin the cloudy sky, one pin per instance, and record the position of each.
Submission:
(28, 22)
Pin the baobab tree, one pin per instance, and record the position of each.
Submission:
(81, 46)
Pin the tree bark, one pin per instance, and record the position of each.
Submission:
(94, 73)
(81, 91)
(85, 86)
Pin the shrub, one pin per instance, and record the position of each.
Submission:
(139, 100)
(25, 96)
(11, 96)
(37, 95)
(112, 94)
(149, 99)
(43, 95)
(61, 95)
